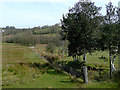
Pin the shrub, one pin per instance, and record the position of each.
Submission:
(116, 76)
(22, 38)
(75, 64)
(50, 47)
(43, 39)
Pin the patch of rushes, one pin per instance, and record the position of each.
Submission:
(13, 69)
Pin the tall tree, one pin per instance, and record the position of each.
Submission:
(109, 36)
(118, 13)
(80, 29)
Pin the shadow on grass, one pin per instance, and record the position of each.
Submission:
(67, 81)
(37, 65)
(53, 72)
(72, 81)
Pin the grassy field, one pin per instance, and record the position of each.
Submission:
(96, 80)
(24, 69)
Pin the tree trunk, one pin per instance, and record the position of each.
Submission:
(113, 67)
(84, 58)
(63, 56)
(63, 49)
(110, 62)
(85, 74)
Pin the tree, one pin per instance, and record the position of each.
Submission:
(80, 29)
(51, 47)
(118, 13)
(109, 34)
(119, 33)
(10, 27)
(119, 41)
(7, 27)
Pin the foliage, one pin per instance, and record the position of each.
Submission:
(109, 33)
(14, 31)
(43, 39)
(79, 28)
(50, 47)
(75, 64)
(22, 38)
(11, 30)
(47, 30)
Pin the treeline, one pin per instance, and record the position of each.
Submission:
(46, 30)
(11, 30)
(14, 31)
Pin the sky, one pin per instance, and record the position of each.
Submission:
(31, 13)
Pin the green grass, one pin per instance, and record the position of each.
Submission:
(103, 84)
(33, 58)
(96, 80)
(50, 79)
(93, 59)
(47, 35)
(13, 53)
(20, 70)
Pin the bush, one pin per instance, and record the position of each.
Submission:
(57, 42)
(51, 47)
(22, 38)
(43, 39)
(75, 64)
(116, 76)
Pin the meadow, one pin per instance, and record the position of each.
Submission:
(24, 69)
(98, 67)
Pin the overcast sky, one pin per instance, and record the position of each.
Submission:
(30, 13)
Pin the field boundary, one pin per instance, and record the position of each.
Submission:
(69, 71)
